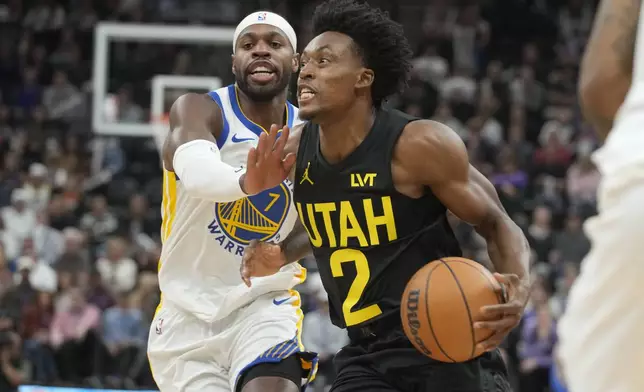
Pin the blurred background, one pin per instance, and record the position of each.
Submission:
(80, 211)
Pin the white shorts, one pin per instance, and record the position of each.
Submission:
(602, 331)
(189, 355)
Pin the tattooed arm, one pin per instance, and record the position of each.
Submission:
(607, 65)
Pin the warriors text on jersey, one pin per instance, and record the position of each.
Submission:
(368, 239)
(203, 241)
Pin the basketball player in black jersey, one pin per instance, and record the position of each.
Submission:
(372, 188)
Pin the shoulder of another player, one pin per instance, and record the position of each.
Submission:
(192, 116)
(193, 107)
(430, 150)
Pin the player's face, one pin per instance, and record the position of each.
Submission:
(331, 76)
(263, 62)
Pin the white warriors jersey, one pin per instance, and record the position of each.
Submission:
(625, 143)
(203, 241)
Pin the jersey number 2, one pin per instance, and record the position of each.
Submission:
(354, 316)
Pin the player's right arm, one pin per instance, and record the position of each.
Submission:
(191, 152)
(607, 66)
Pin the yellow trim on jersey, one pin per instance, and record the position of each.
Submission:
(169, 203)
(248, 118)
(297, 304)
(168, 212)
(306, 365)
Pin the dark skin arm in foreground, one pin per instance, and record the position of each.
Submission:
(471, 198)
(607, 66)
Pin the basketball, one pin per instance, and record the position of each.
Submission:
(440, 305)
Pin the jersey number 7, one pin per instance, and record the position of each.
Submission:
(354, 316)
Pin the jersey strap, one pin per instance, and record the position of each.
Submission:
(226, 129)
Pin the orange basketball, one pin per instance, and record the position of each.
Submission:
(440, 305)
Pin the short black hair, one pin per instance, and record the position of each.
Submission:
(380, 41)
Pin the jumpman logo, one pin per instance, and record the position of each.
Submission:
(305, 175)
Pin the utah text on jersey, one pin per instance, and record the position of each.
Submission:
(257, 217)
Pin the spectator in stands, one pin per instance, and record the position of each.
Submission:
(124, 336)
(18, 219)
(36, 319)
(13, 369)
(97, 293)
(75, 256)
(582, 180)
(521, 148)
(37, 190)
(118, 271)
(128, 111)
(49, 243)
(572, 243)
(62, 99)
(99, 222)
(538, 337)
(9, 177)
(29, 93)
(60, 216)
(553, 158)
(444, 115)
(40, 275)
(6, 276)
(45, 16)
(140, 219)
(540, 233)
(24, 290)
(10, 244)
(74, 339)
(557, 302)
(67, 54)
(561, 126)
(83, 17)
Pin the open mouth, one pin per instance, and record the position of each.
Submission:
(306, 94)
(262, 74)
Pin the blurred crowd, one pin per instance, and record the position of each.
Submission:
(79, 221)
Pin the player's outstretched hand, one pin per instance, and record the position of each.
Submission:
(267, 165)
(261, 259)
(502, 318)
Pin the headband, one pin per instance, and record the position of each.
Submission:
(268, 18)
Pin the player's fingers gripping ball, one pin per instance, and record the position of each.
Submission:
(440, 305)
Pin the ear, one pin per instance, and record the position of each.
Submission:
(295, 62)
(232, 62)
(365, 78)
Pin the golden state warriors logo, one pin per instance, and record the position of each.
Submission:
(257, 217)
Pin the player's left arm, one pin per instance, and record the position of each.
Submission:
(471, 197)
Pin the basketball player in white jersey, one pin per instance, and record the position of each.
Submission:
(602, 332)
(211, 332)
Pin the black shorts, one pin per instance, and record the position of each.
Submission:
(387, 362)
(289, 368)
